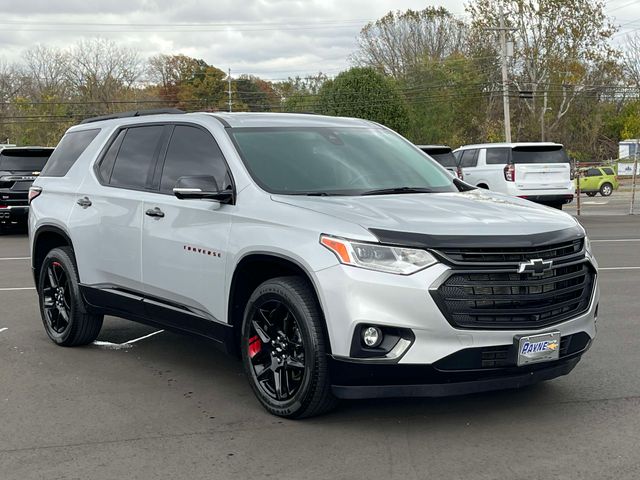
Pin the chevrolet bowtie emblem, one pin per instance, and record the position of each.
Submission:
(536, 266)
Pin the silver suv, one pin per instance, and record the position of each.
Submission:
(332, 255)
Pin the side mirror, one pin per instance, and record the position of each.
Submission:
(201, 187)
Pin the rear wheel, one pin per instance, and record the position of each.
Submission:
(284, 349)
(63, 311)
(606, 189)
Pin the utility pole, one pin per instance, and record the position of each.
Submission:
(635, 174)
(229, 80)
(505, 84)
(544, 110)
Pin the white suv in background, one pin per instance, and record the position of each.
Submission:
(539, 172)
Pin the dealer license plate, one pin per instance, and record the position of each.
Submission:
(543, 347)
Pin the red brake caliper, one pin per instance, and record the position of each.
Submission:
(255, 345)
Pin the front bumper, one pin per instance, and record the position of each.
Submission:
(358, 381)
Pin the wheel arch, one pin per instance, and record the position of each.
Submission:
(45, 239)
(252, 270)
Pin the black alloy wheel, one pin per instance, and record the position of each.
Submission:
(56, 298)
(276, 350)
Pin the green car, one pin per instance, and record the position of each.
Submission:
(598, 179)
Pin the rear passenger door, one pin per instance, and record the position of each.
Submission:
(184, 250)
(106, 219)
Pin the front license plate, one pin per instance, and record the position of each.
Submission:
(543, 347)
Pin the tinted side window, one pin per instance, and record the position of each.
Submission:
(193, 151)
(497, 156)
(106, 165)
(67, 152)
(593, 172)
(136, 155)
(608, 171)
(469, 158)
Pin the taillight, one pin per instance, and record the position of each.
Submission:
(33, 193)
(459, 173)
(510, 172)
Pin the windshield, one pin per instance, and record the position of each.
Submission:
(539, 154)
(337, 161)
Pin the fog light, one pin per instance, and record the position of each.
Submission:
(372, 337)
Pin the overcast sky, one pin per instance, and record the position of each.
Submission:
(270, 38)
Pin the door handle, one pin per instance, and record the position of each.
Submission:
(154, 212)
(84, 202)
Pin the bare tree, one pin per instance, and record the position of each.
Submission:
(100, 70)
(562, 50)
(399, 41)
(632, 59)
(45, 71)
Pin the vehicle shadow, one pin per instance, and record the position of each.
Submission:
(220, 374)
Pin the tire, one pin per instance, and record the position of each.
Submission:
(282, 329)
(80, 327)
(591, 194)
(606, 189)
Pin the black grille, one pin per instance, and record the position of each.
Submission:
(511, 255)
(502, 299)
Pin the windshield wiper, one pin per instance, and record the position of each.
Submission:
(390, 191)
(314, 194)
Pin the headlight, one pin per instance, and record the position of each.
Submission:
(587, 246)
(403, 261)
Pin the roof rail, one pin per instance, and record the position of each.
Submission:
(133, 113)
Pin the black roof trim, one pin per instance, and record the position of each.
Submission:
(224, 123)
(133, 113)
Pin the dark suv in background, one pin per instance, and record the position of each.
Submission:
(19, 167)
(444, 156)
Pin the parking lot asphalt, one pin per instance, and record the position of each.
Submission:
(616, 204)
(171, 406)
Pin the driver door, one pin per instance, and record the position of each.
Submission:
(184, 242)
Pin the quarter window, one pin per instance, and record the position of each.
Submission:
(497, 156)
(608, 171)
(68, 151)
(193, 151)
(136, 155)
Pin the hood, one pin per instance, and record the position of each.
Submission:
(473, 213)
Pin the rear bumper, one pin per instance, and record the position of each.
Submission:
(564, 198)
(401, 379)
(14, 214)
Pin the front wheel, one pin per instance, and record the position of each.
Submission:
(284, 349)
(606, 189)
(63, 310)
(591, 194)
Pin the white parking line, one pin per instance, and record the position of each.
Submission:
(14, 258)
(127, 344)
(618, 268)
(3, 329)
(142, 338)
(617, 240)
(11, 289)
